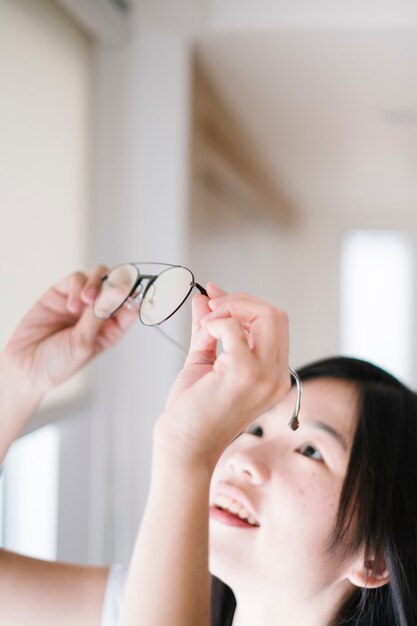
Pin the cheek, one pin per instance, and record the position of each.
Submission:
(305, 508)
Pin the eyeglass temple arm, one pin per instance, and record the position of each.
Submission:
(200, 288)
(170, 339)
(294, 423)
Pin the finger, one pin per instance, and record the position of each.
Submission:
(200, 305)
(214, 291)
(219, 298)
(267, 325)
(89, 326)
(199, 309)
(125, 317)
(93, 284)
(76, 283)
(266, 363)
(200, 338)
(232, 335)
(244, 297)
(244, 309)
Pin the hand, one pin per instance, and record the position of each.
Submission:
(60, 333)
(202, 351)
(216, 396)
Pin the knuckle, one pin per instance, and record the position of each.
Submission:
(271, 314)
(77, 278)
(277, 315)
(282, 317)
(277, 319)
(97, 271)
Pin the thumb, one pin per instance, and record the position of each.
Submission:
(200, 338)
(214, 291)
(88, 326)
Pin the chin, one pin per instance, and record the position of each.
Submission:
(225, 566)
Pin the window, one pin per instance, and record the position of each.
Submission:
(30, 494)
(377, 299)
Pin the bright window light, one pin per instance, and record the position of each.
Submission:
(377, 299)
(30, 499)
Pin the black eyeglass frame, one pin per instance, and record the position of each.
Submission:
(151, 279)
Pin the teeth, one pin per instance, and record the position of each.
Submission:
(235, 507)
(224, 502)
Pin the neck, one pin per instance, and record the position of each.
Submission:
(281, 609)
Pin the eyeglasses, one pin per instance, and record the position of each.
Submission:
(158, 290)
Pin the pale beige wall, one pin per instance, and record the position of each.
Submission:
(45, 120)
(45, 169)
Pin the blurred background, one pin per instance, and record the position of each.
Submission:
(271, 147)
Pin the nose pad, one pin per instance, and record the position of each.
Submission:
(150, 295)
(133, 302)
(246, 464)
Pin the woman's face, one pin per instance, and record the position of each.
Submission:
(286, 487)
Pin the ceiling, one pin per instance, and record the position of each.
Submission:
(330, 110)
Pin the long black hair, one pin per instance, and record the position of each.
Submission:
(378, 503)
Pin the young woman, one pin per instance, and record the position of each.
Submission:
(312, 527)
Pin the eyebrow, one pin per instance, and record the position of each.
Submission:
(328, 429)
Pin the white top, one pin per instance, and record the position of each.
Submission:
(114, 594)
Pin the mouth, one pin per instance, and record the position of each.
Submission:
(231, 512)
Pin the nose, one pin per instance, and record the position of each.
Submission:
(248, 465)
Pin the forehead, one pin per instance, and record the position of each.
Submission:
(331, 401)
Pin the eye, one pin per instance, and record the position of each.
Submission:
(310, 451)
(255, 429)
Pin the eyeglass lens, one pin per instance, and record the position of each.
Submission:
(115, 289)
(165, 295)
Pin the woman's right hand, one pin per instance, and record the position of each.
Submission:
(60, 333)
(215, 396)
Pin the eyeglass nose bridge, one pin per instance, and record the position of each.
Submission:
(140, 291)
(134, 301)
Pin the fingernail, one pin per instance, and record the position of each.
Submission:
(212, 304)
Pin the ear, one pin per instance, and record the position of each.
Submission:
(369, 573)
